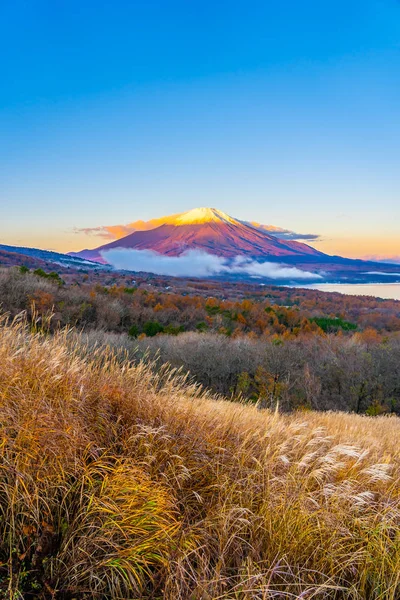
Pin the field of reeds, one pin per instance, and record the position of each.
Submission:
(118, 483)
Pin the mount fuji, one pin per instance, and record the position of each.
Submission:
(208, 230)
(208, 242)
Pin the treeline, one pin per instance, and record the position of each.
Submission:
(309, 373)
(148, 311)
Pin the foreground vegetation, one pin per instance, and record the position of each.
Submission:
(312, 373)
(145, 306)
(299, 349)
(118, 483)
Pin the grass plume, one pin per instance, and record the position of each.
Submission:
(118, 483)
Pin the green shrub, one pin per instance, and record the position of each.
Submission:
(332, 325)
(212, 310)
(174, 330)
(151, 328)
(52, 276)
(133, 331)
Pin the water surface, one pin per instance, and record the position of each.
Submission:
(389, 291)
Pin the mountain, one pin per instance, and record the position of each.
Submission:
(206, 242)
(115, 232)
(208, 230)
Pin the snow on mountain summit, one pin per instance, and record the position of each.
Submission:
(206, 230)
(202, 215)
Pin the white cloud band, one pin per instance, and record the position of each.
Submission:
(196, 263)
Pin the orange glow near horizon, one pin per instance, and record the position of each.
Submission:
(365, 247)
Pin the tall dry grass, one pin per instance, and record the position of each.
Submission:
(117, 483)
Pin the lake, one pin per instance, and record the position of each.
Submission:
(390, 291)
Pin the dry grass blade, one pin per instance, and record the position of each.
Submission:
(119, 484)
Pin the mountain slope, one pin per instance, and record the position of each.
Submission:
(208, 230)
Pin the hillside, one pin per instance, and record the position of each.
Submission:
(17, 259)
(37, 258)
(119, 484)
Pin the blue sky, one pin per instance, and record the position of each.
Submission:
(287, 113)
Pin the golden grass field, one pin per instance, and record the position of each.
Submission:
(116, 483)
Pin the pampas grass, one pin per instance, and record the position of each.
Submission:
(117, 483)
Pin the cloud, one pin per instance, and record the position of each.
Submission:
(116, 232)
(292, 235)
(270, 270)
(392, 274)
(107, 232)
(196, 263)
(284, 234)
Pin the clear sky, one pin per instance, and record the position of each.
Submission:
(282, 112)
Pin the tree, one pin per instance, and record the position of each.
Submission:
(133, 331)
(151, 328)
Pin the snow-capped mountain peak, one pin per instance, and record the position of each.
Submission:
(207, 230)
(198, 216)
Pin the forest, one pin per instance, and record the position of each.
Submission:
(296, 349)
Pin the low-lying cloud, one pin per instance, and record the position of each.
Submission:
(196, 263)
(293, 236)
(388, 274)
